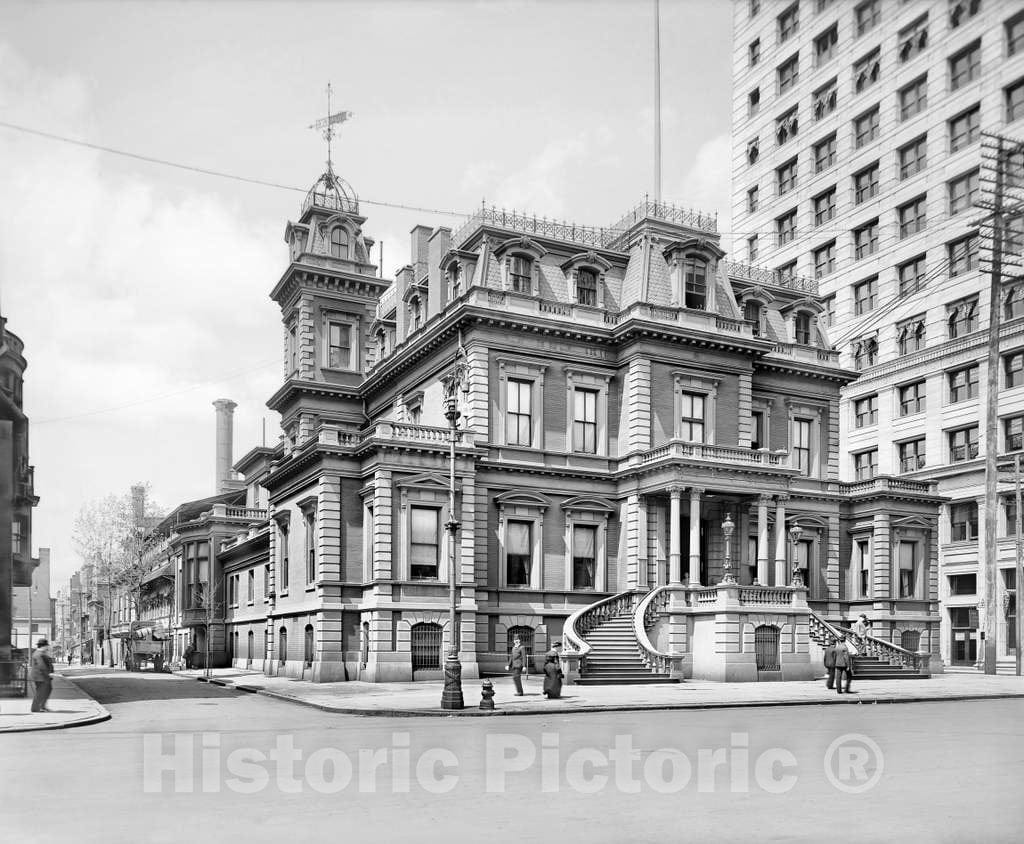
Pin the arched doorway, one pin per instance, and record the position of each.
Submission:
(249, 646)
(282, 645)
(766, 650)
(307, 648)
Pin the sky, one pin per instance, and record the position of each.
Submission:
(141, 291)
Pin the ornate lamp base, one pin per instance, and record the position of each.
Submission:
(451, 697)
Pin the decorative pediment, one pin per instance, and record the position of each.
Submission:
(590, 503)
(521, 245)
(804, 304)
(756, 294)
(586, 259)
(911, 523)
(432, 480)
(698, 245)
(291, 229)
(522, 498)
(415, 290)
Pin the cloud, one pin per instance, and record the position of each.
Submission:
(137, 309)
(707, 184)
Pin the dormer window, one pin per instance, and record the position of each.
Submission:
(695, 280)
(802, 328)
(339, 242)
(520, 273)
(415, 313)
(752, 314)
(455, 281)
(586, 286)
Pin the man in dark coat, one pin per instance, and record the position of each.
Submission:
(40, 672)
(553, 672)
(830, 665)
(190, 652)
(844, 665)
(516, 664)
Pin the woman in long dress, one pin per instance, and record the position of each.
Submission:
(553, 673)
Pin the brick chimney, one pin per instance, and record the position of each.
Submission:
(139, 505)
(225, 435)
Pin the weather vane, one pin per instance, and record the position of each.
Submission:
(328, 123)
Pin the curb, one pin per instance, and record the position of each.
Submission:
(390, 712)
(97, 718)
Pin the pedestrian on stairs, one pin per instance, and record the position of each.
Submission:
(860, 629)
(844, 665)
(516, 664)
(830, 665)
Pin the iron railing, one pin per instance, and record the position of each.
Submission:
(13, 678)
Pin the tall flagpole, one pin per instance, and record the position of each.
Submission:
(657, 101)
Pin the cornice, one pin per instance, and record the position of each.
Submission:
(299, 275)
(311, 388)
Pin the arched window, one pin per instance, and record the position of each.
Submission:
(425, 642)
(910, 640)
(249, 646)
(520, 274)
(282, 645)
(695, 283)
(752, 314)
(802, 328)
(525, 635)
(308, 646)
(339, 242)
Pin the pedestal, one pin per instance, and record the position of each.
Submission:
(451, 697)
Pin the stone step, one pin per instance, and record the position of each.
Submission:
(628, 680)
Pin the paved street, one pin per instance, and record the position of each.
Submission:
(947, 772)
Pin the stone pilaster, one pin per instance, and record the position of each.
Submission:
(329, 562)
(306, 338)
(637, 406)
(881, 564)
(743, 408)
(383, 545)
(478, 403)
(781, 541)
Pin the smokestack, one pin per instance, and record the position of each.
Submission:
(225, 433)
(138, 505)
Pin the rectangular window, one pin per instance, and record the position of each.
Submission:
(1015, 35)
(518, 553)
(519, 414)
(963, 383)
(1015, 101)
(584, 556)
(785, 227)
(1013, 369)
(824, 101)
(965, 66)
(963, 444)
(786, 273)
(963, 255)
(912, 398)
(310, 547)
(865, 184)
(830, 310)
(752, 248)
(866, 70)
(754, 7)
(520, 271)
(339, 346)
(865, 465)
(913, 98)
(825, 153)
(865, 411)
(801, 445)
(586, 287)
(913, 39)
(963, 192)
(786, 126)
(865, 296)
(912, 455)
(789, 22)
(911, 275)
(758, 436)
(910, 335)
(913, 157)
(865, 240)
(1013, 433)
(425, 543)
(864, 561)
(867, 15)
(965, 129)
(825, 46)
(788, 74)
(584, 425)
(691, 428)
(282, 587)
(907, 559)
(752, 197)
(825, 260)
(753, 102)
(266, 580)
(963, 521)
(786, 176)
(962, 318)
(964, 584)
(824, 207)
(913, 217)
(251, 586)
(754, 52)
(865, 128)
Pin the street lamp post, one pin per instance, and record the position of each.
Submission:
(727, 529)
(795, 532)
(457, 380)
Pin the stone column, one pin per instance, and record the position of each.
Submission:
(763, 571)
(695, 495)
(674, 539)
(781, 578)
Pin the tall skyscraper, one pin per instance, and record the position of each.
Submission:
(857, 163)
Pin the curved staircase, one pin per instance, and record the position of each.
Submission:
(881, 660)
(612, 655)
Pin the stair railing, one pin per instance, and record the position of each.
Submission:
(587, 618)
(646, 615)
(819, 629)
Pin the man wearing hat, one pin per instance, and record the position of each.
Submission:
(40, 672)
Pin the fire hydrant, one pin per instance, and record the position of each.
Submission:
(487, 695)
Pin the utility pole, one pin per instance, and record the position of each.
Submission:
(657, 102)
(1019, 562)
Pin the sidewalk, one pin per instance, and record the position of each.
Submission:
(71, 708)
(409, 699)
